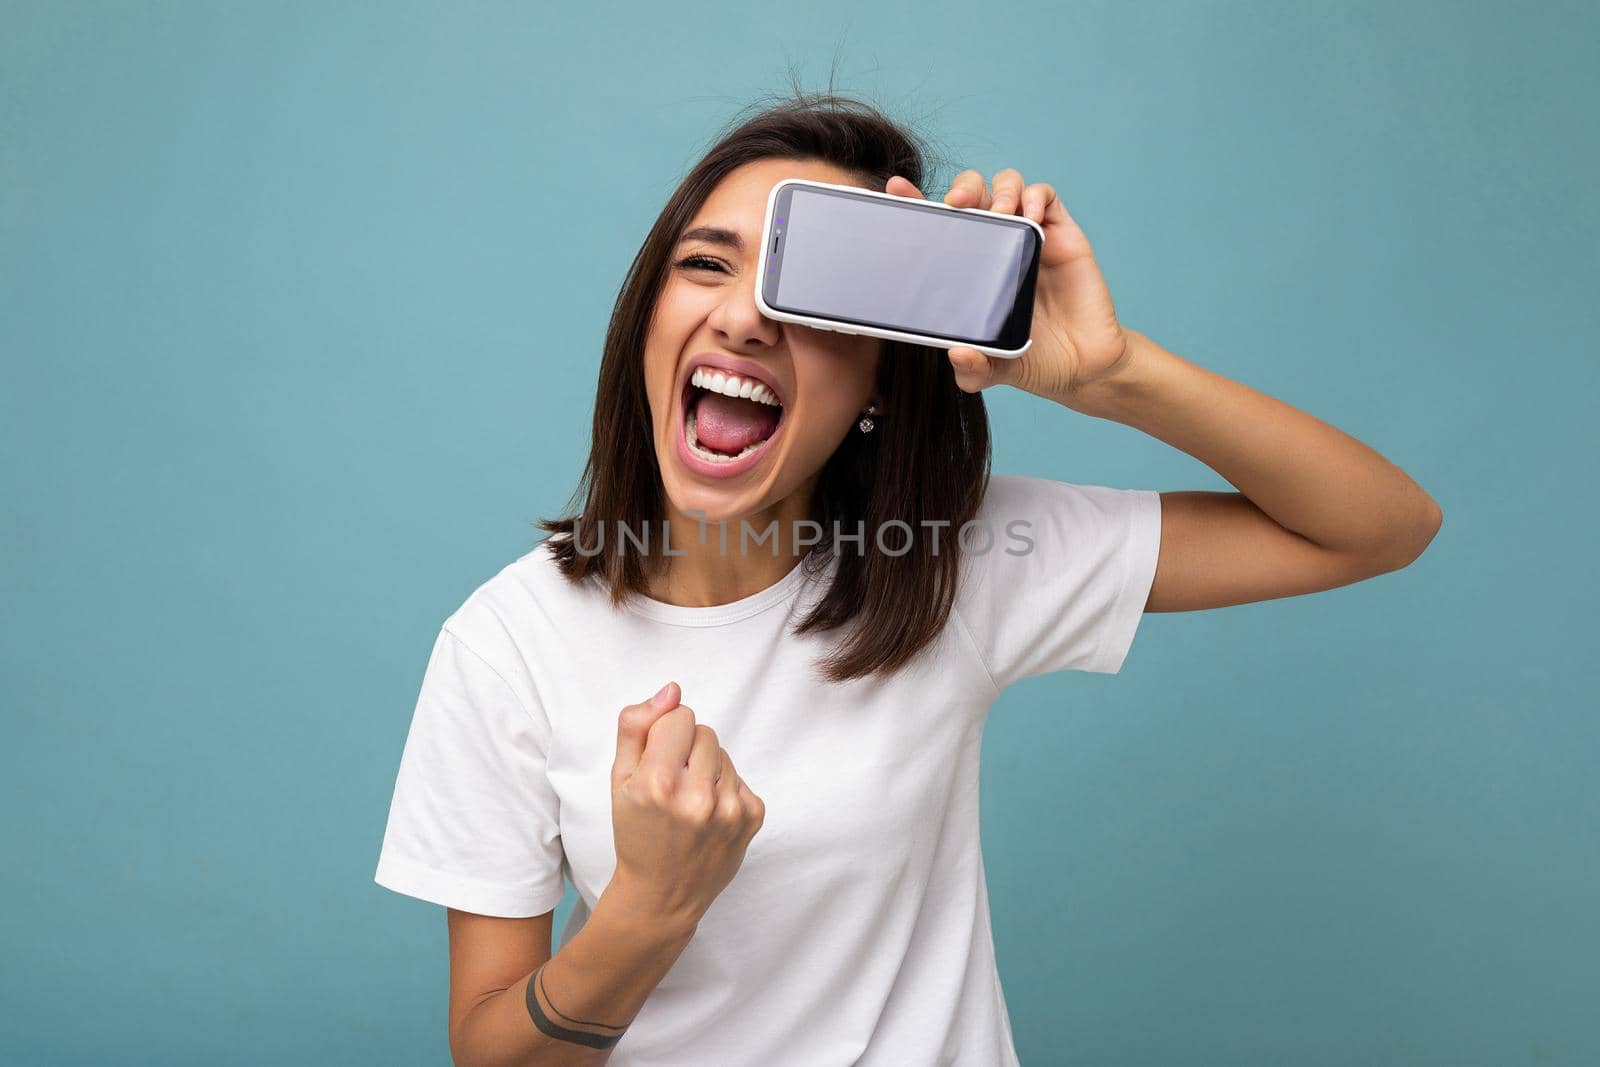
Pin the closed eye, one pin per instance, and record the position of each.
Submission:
(700, 263)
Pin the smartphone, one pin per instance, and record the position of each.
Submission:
(843, 258)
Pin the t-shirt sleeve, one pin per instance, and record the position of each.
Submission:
(474, 823)
(1064, 582)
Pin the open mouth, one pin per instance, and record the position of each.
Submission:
(728, 417)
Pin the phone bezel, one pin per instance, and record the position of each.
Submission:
(770, 241)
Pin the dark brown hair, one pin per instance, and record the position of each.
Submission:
(927, 461)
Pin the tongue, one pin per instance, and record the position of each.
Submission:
(727, 424)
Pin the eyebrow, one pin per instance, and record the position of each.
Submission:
(716, 235)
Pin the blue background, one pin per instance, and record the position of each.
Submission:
(302, 306)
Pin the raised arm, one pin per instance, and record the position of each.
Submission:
(1315, 507)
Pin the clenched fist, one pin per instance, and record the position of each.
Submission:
(681, 815)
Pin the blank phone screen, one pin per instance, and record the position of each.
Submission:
(917, 269)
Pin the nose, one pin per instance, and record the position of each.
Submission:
(739, 322)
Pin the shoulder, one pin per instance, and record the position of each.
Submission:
(1021, 494)
(1035, 525)
(1010, 491)
(1070, 512)
(1014, 505)
(504, 617)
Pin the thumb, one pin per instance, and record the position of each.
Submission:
(975, 371)
(633, 728)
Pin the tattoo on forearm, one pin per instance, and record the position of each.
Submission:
(552, 1028)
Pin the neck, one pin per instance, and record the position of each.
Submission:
(709, 564)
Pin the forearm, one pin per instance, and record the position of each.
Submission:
(595, 985)
(1305, 474)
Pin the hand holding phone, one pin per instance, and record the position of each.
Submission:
(1080, 340)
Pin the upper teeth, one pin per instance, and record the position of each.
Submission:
(733, 385)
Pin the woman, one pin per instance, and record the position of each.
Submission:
(822, 902)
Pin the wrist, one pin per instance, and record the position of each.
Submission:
(644, 918)
(1109, 395)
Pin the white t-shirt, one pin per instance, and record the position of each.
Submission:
(857, 929)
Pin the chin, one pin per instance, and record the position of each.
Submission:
(712, 503)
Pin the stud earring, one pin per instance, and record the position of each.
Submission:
(866, 425)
